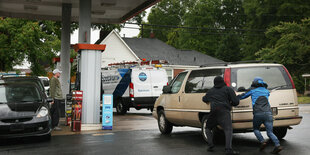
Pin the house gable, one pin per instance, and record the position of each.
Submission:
(116, 50)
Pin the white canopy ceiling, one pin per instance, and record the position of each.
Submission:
(102, 11)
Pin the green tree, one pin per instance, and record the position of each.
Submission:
(289, 44)
(263, 14)
(212, 23)
(229, 48)
(37, 42)
(199, 25)
(166, 12)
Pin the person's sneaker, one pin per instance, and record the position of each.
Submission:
(262, 146)
(57, 129)
(231, 152)
(211, 148)
(277, 149)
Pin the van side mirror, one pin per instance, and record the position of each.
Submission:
(167, 89)
(241, 89)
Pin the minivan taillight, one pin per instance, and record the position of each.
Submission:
(227, 74)
(289, 75)
(131, 91)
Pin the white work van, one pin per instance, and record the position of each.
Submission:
(136, 87)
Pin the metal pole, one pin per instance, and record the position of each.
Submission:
(65, 48)
(90, 67)
(142, 30)
(305, 86)
(84, 21)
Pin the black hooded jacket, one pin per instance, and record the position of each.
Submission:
(220, 96)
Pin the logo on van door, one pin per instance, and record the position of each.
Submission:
(142, 76)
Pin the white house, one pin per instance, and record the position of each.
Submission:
(120, 50)
(116, 50)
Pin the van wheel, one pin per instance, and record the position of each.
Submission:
(218, 134)
(165, 127)
(280, 132)
(204, 127)
(120, 107)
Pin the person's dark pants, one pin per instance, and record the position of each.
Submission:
(266, 119)
(222, 118)
(55, 113)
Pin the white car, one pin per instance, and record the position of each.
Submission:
(45, 81)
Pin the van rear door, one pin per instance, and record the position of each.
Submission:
(141, 79)
(279, 84)
(159, 79)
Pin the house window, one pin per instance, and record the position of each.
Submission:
(169, 74)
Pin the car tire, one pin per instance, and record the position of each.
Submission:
(218, 134)
(165, 127)
(280, 132)
(120, 107)
(204, 127)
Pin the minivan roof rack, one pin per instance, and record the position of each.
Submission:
(215, 64)
(253, 61)
(237, 62)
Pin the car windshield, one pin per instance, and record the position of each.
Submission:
(275, 77)
(19, 93)
(22, 80)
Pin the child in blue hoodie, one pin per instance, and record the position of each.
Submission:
(262, 112)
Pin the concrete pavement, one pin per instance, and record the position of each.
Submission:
(136, 120)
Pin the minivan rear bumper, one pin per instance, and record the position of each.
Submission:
(278, 122)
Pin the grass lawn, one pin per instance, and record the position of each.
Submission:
(303, 99)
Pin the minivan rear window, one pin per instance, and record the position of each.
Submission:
(274, 76)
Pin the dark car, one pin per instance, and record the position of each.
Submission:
(24, 110)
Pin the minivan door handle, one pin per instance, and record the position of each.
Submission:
(155, 87)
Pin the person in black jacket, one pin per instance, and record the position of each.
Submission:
(222, 98)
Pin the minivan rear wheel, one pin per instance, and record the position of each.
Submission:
(165, 127)
(280, 132)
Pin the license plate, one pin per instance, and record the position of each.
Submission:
(274, 111)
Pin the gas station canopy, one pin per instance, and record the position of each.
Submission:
(102, 11)
(84, 12)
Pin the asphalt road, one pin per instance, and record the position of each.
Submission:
(149, 141)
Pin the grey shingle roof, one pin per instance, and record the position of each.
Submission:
(154, 49)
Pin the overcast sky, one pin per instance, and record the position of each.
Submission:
(95, 34)
(127, 32)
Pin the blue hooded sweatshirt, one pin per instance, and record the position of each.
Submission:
(259, 94)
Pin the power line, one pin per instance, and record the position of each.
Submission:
(203, 28)
(201, 32)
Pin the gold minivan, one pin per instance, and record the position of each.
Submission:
(181, 102)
